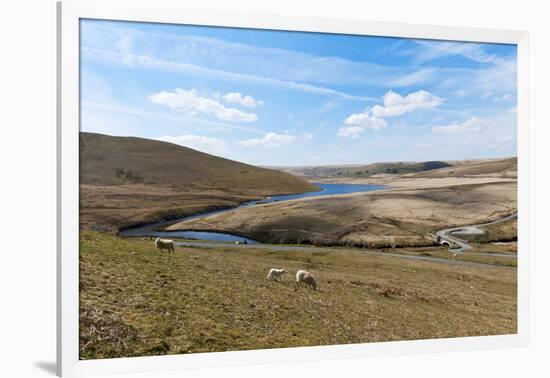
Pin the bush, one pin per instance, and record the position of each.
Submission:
(128, 175)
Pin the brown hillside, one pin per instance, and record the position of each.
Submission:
(128, 181)
(497, 168)
(109, 160)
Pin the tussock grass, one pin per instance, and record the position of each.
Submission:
(135, 301)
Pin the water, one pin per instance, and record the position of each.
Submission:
(326, 190)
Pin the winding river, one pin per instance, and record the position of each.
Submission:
(326, 190)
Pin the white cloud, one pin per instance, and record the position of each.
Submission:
(365, 121)
(350, 131)
(247, 101)
(472, 124)
(395, 104)
(269, 140)
(189, 101)
(198, 142)
(309, 136)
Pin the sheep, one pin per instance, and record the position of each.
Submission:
(164, 244)
(306, 277)
(275, 274)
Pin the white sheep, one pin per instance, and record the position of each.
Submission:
(164, 244)
(275, 274)
(303, 276)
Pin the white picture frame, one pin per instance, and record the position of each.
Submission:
(166, 11)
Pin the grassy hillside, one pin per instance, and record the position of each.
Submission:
(396, 168)
(127, 181)
(109, 160)
(498, 168)
(135, 301)
(504, 168)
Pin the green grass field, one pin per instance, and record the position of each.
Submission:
(135, 301)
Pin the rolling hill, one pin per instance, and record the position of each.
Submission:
(127, 181)
(109, 160)
(503, 168)
(496, 168)
(360, 171)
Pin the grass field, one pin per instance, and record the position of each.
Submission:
(135, 301)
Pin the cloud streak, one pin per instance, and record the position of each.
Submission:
(431, 50)
(147, 62)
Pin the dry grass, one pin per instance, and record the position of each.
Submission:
(501, 232)
(111, 207)
(374, 219)
(135, 301)
(482, 253)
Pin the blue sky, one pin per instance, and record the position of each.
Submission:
(288, 98)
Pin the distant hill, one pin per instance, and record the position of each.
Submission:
(110, 160)
(367, 170)
(494, 167)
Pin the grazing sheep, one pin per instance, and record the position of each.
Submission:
(164, 244)
(306, 277)
(275, 274)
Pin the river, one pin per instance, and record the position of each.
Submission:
(326, 190)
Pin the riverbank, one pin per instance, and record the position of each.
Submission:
(162, 229)
(378, 219)
(111, 208)
(140, 302)
(404, 182)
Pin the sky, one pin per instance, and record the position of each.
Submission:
(280, 98)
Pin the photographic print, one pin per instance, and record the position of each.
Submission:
(248, 189)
